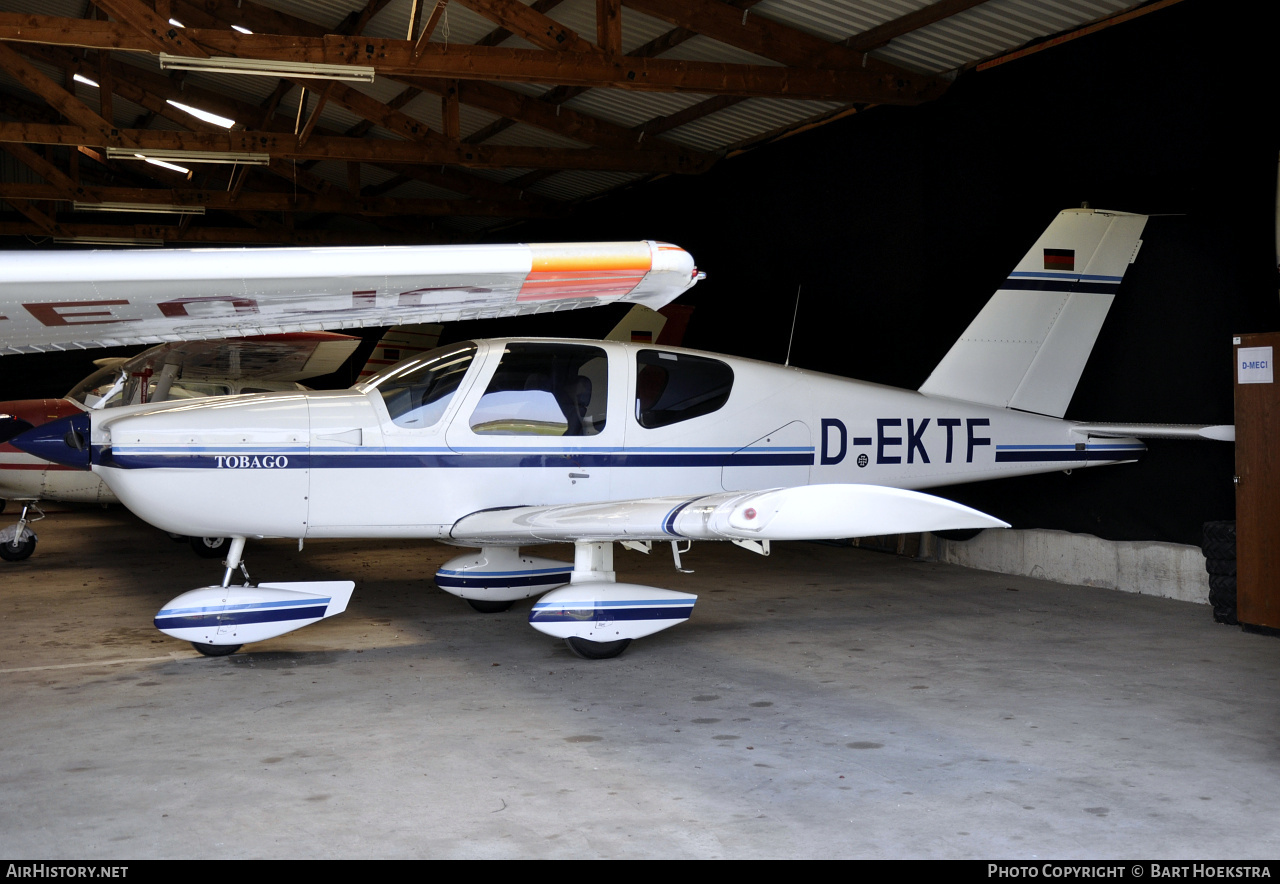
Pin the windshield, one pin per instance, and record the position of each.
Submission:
(90, 391)
(418, 390)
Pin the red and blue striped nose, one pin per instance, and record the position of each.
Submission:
(64, 441)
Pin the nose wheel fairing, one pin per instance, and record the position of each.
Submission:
(236, 615)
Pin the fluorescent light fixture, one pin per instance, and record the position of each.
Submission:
(205, 115)
(189, 156)
(79, 79)
(138, 207)
(162, 164)
(107, 241)
(264, 67)
(241, 30)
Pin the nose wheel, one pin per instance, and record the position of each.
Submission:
(19, 542)
(589, 650)
(16, 550)
(216, 650)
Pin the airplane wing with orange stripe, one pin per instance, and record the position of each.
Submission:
(51, 300)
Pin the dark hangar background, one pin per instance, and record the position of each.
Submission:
(897, 224)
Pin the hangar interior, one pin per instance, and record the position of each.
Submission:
(875, 166)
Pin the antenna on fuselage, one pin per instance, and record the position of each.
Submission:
(794, 314)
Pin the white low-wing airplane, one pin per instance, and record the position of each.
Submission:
(497, 444)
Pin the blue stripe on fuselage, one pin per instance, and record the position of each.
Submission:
(301, 460)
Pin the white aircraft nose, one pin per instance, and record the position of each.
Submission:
(212, 468)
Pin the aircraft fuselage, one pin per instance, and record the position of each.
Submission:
(639, 421)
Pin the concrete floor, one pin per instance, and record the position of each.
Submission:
(824, 702)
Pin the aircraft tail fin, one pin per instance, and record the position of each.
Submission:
(1028, 346)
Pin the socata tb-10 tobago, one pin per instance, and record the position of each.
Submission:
(495, 444)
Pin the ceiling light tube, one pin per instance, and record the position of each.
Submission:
(107, 241)
(207, 116)
(189, 156)
(167, 208)
(265, 67)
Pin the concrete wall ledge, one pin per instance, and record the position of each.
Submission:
(1169, 570)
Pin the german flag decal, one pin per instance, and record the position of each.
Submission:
(1060, 259)
(585, 270)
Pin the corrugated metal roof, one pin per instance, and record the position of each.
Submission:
(988, 29)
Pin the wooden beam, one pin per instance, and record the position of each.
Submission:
(336, 202)
(314, 117)
(46, 225)
(57, 179)
(754, 33)
(395, 58)
(496, 36)
(524, 21)
(449, 109)
(59, 98)
(880, 35)
(284, 146)
(153, 28)
(609, 26)
(432, 21)
(275, 235)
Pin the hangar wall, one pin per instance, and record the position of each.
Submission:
(898, 223)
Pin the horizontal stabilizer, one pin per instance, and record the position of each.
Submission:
(805, 512)
(1217, 432)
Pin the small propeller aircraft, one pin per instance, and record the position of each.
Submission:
(498, 444)
(179, 370)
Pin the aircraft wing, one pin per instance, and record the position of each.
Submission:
(805, 512)
(57, 300)
(291, 357)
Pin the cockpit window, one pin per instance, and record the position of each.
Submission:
(674, 387)
(102, 382)
(417, 391)
(545, 390)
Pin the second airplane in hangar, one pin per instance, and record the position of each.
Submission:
(502, 443)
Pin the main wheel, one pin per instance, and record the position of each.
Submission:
(210, 547)
(484, 606)
(17, 550)
(589, 650)
(215, 650)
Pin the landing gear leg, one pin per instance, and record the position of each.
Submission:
(234, 560)
(22, 543)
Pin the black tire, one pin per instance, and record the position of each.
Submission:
(1219, 548)
(589, 650)
(1222, 567)
(3, 504)
(484, 606)
(210, 547)
(1214, 531)
(1222, 596)
(216, 650)
(18, 550)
